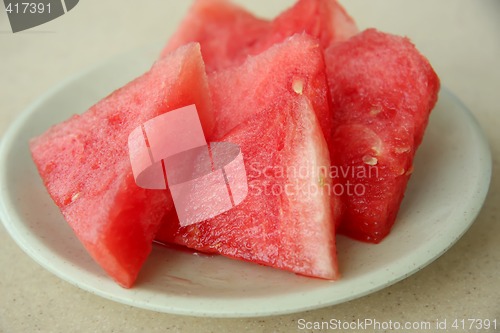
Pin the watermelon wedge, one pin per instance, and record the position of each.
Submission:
(382, 92)
(228, 34)
(286, 220)
(85, 165)
(325, 20)
(225, 31)
(270, 106)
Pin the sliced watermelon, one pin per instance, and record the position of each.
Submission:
(228, 33)
(295, 66)
(225, 31)
(325, 20)
(382, 91)
(266, 103)
(85, 165)
(286, 219)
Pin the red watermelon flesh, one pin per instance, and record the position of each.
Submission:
(382, 92)
(286, 220)
(224, 30)
(295, 66)
(85, 165)
(325, 20)
(228, 34)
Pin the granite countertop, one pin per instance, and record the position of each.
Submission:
(461, 38)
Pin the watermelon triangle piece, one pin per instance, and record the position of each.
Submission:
(274, 120)
(286, 219)
(382, 91)
(224, 30)
(325, 20)
(293, 66)
(228, 34)
(85, 165)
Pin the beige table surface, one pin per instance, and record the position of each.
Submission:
(460, 37)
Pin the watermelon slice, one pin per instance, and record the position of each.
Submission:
(85, 165)
(228, 34)
(286, 219)
(382, 91)
(295, 66)
(224, 30)
(267, 104)
(325, 20)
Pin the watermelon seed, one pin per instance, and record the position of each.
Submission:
(298, 86)
(402, 150)
(370, 160)
(375, 112)
(410, 171)
(75, 197)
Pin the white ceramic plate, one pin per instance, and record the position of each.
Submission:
(451, 179)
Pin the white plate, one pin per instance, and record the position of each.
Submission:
(451, 179)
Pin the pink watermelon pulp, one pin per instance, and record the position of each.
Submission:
(85, 165)
(382, 91)
(228, 34)
(293, 67)
(325, 20)
(225, 31)
(267, 104)
(286, 220)
(294, 95)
